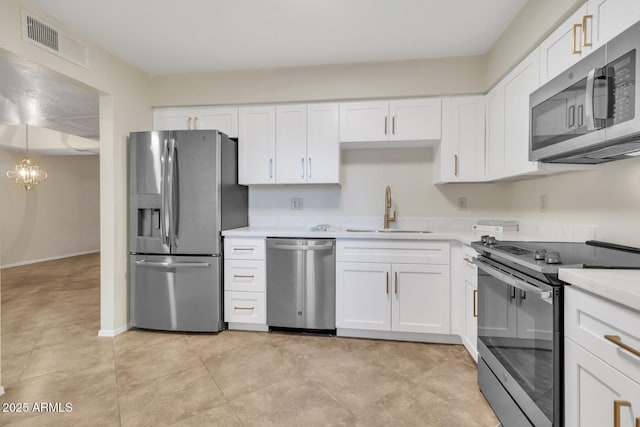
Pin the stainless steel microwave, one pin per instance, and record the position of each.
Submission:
(589, 113)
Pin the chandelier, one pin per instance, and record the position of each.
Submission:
(27, 172)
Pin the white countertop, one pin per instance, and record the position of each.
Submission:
(463, 236)
(621, 286)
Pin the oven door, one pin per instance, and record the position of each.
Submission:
(519, 338)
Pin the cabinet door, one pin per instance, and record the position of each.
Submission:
(257, 145)
(420, 298)
(363, 296)
(291, 143)
(495, 133)
(462, 147)
(610, 18)
(470, 338)
(470, 285)
(518, 86)
(173, 118)
(364, 121)
(592, 387)
(415, 119)
(323, 144)
(223, 119)
(557, 50)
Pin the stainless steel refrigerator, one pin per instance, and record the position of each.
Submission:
(183, 189)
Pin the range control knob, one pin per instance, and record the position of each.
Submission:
(539, 254)
(552, 258)
(491, 240)
(484, 239)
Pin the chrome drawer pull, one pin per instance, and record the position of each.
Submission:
(618, 341)
(243, 249)
(243, 276)
(244, 308)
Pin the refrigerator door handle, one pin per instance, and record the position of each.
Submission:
(171, 176)
(173, 264)
(164, 211)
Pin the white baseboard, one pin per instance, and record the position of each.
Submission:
(106, 333)
(34, 261)
(400, 336)
(1, 390)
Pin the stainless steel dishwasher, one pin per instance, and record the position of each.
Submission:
(301, 283)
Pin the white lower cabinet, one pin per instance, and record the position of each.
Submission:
(602, 362)
(596, 393)
(470, 285)
(391, 296)
(245, 305)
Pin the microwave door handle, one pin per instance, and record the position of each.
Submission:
(545, 296)
(588, 102)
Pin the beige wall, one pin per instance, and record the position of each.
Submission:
(57, 218)
(608, 197)
(464, 75)
(124, 107)
(365, 174)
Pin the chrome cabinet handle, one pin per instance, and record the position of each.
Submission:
(243, 276)
(189, 123)
(243, 249)
(576, 51)
(244, 308)
(387, 283)
(393, 124)
(302, 168)
(618, 341)
(270, 168)
(385, 124)
(396, 282)
(584, 30)
(455, 164)
(309, 168)
(616, 411)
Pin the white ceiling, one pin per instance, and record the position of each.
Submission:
(171, 36)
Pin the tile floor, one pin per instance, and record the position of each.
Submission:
(51, 353)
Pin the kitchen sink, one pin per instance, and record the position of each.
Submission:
(386, 230)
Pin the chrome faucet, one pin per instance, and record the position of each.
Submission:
(387, 206)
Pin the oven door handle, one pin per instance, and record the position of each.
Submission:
(545, 296)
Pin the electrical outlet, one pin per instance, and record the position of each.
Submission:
(462, 203)
(297, 203)
(544, 203)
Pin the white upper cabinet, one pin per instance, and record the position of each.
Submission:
(397, 120)
(415, 119)
(564, 47)
(518, 85)
(257, 145)
(307, 146)
(461, 153)
(610, 18)
(323, 144)
(591, 26)
(494, 142)
(224, 119)
(291, 143)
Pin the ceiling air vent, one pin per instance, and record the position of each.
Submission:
(53, 40)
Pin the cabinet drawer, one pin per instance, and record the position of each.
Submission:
(245, 307)
(244, 275)
(244, 248)
(589, 318)
(390, 251)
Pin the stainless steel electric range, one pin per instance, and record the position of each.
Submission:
(520, 322)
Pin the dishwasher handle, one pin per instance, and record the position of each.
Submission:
(288, 247)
